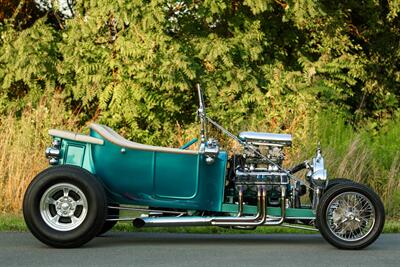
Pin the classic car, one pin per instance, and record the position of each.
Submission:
(93, 177)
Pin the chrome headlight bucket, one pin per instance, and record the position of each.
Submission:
(53, 153)
(318, 175)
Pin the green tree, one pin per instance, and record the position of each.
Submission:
(265, 65)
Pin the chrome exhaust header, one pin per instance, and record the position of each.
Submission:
(258, 220)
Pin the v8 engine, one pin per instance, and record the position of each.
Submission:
(260, 166)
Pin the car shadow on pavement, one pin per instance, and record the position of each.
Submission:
(122, 239)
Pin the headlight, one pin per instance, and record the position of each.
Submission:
(53, 153)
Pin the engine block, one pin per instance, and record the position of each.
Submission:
(255, 169)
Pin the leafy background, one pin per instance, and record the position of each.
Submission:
(321, 70)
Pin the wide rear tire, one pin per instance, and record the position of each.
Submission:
(350, 216)
(65, 206)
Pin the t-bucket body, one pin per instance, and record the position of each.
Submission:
(154, 176)
(138, 174)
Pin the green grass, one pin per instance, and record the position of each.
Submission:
(15, 223)
(12, 223)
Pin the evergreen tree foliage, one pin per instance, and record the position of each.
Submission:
(264, 64)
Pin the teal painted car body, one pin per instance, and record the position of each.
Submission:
(169, 180)
(150, 178)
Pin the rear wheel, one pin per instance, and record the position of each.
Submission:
(65, 206)
(350, 216)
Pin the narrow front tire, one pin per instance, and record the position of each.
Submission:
(350, 216)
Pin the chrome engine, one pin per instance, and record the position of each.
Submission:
(260, 165)
(263, 170)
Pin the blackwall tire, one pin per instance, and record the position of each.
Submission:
(350, 216)
(65, 206)
(336, 181)
(332, 182)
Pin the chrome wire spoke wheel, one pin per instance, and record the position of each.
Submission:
(350, 216)
(63, 207)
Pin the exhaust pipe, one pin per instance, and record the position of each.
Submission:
(259, 219)
(171, 221)
(240, 198)
(283, 210)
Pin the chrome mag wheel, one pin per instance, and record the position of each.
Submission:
(350, 216)
(63, 207)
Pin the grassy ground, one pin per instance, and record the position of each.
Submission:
(15, 223)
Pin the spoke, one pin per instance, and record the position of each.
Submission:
(66, 191)
(364, 206)
(79, 202)
(343, 221)
(365, 220)
(353, 202)
(74, 219)
(56, 218)
(357, 202)
(343, 202)
(369, 208)
(351, 234)
(50, 201)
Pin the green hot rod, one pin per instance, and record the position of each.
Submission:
(94, 177)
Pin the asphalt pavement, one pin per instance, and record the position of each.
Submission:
(164, 249)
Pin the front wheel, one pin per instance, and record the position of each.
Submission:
(65, 206)
(350, 216)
